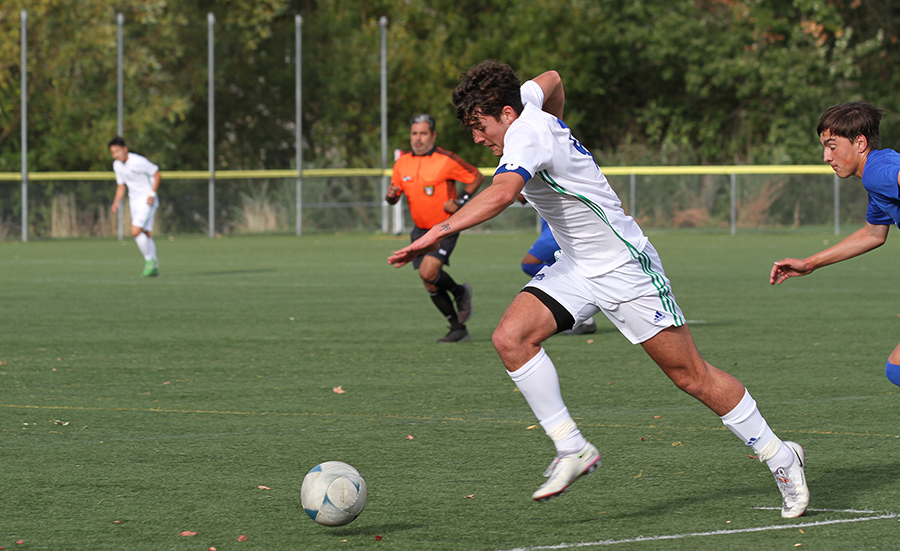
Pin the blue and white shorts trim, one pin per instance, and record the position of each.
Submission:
(636, 297)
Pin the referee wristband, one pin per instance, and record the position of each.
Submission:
(152, 193)
(463, 199)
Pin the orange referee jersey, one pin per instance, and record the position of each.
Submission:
(428, 181)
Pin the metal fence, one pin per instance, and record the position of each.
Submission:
(727, 199)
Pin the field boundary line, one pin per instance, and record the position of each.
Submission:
(602, 543)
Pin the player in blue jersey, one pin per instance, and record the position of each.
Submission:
(606, 264)
(541, 254)
(849, 134)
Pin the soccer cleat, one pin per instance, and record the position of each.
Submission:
(464, 304)
(566, 470)
(791, 481)
(456, 335)
(585, 328)
(150, 269)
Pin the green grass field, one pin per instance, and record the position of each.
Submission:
(132, 409)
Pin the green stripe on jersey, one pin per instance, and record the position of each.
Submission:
(665, 291)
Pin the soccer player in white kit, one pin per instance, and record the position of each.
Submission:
(142, 179)
(607, 265)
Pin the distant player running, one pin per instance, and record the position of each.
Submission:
(850, 136)
(607, 265)
(142, 179)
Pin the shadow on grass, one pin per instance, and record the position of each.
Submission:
(232, 272)
(376, 530)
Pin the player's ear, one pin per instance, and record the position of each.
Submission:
(861, 143)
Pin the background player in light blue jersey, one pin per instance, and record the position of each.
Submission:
(850, 136)
(607, 265)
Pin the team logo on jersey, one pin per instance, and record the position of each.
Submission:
(429, 190)
(752, 441)
(407, 178)
(539, 277)
(658, 317)
(511, 167)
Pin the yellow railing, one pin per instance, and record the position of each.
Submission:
(333, 172)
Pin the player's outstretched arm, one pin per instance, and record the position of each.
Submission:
(861, 241)
(489, 203)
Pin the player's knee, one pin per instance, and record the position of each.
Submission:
(892, 372)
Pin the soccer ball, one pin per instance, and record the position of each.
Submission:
(333, 493)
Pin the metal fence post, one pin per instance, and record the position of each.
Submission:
(632, 184)
(383, 22)
(211, 115)
(298, 123)
(24, 91)
(837, 205)
(120, 105)
(733, 203)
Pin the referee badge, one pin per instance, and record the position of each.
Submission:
(429, 190)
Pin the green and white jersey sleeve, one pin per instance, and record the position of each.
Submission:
(568, 189)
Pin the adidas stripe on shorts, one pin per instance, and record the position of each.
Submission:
(637, 296)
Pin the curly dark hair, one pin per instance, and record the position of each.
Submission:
(486, 89)
(850, 120)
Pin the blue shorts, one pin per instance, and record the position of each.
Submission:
(545, 247)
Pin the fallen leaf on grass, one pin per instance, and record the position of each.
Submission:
(409, 437)
(378, 538)
(590, 341)
(242, 537)
(338, 390)
(531, 427)
(58, 422)
(188, 533)
(470, 496)
(657, 416)
(117, 522)
(264, 488)
(20, 542)
(753, 456)
(212, 549)
(801, 531)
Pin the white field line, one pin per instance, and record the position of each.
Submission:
(602, 543)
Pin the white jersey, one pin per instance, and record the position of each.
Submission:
(567, 188)
(136, 173)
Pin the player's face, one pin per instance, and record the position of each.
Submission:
(421, 138)
(119, 152)
(845, 157)
(489, 132)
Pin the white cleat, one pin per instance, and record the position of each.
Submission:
(566, 470)
(791, 481)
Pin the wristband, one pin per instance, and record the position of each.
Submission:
(463, 199)
(152, 193)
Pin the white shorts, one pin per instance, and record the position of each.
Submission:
(142, 214)
(636, 296)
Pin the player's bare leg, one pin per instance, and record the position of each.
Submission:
(673, 349)
(524, 326)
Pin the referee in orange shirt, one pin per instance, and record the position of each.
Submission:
(427, 175)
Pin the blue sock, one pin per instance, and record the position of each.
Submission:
(892, 371)
(533, 269)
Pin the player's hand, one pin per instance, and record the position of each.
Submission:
(393, 192)
(404, 256)
(789, 267)
(150, 200)
(115, 206)
(451, 206)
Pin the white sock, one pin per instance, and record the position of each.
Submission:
(747, 423)
(143, 246)
(151, 249)
(539, 384)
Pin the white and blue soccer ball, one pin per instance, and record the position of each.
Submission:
(333, 493)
